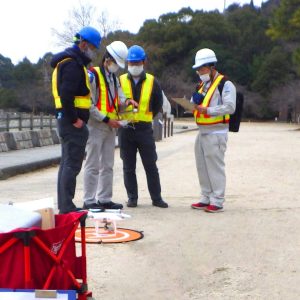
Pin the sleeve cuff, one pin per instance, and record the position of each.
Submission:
(106, 119)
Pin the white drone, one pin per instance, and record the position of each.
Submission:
(109, 218)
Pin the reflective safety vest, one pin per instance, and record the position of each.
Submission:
(143, 114)
(79, 101)
(204, 119)
(103, 103)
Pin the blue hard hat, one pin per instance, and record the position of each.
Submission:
(90, 35)
(136, 53)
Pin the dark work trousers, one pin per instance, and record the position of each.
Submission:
(73, 142)
(139, 139)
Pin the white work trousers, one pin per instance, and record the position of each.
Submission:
(98, 168)
(209, 153)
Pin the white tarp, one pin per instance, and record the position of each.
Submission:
(166, 105)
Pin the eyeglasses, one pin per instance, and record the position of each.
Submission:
(111, 59)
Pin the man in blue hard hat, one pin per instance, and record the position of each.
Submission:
(145, 90)
(72, 97)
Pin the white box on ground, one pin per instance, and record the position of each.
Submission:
(45, 207)
(12, 218)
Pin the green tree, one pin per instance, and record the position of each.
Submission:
(285, 26)
(7, 79)
(8, 98)
(27, 77)
(270, 71)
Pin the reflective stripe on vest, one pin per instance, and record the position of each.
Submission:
(204, 119)
(79, 101)
(103, 102)
(143, 114)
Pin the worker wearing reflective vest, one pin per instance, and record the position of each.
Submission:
(212, 114)
(107, 95)
(145, 90)
(72, 100)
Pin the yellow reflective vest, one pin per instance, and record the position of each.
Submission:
(143, 114)
(103, 104)
(83, 102)
(204, 119)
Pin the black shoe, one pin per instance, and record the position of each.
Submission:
(160, 203)
(110, 205)
(76, 209)
(92, 206)
(132, 203)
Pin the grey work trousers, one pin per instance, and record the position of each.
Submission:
(209, 153)
(98, 168)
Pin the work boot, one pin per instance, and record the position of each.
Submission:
(75, 209)
(199, 205)
(110, 205)
(214, 209)
(132, 203)
(91, 206)
(160, 203)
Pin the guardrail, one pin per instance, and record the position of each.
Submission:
(21, 121)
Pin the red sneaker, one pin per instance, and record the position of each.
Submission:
(199, 205)
(213, 209)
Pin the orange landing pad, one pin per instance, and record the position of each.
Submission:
(122, 235)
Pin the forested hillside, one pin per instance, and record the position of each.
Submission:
(257, 47)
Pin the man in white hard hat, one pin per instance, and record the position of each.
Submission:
(107, 95)
(212, 115)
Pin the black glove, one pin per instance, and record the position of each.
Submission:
(198, 98)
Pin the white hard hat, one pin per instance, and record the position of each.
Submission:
(118, 50)
(204, 56)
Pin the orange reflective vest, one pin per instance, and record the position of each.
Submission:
(103, 103)
(79, 101)
(143, 114)
(204, 119)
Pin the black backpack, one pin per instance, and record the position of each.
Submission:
(235, 118)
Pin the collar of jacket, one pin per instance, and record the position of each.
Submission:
(106, 75)
(78, 55)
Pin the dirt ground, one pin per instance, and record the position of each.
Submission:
(250, 251)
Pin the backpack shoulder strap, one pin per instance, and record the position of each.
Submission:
(221, 84)
(220, 88)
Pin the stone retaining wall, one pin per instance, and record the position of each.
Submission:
(27, 139)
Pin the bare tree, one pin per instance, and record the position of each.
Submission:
(106, 26)
(78, 17)
(84, 15)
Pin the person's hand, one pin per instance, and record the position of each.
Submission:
(131, 102)
(78, 124)
(114, 123)
(202, 110)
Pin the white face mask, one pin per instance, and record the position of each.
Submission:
(112, 68)
(135, 70)
(204, 77)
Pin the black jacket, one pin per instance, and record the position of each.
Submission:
(156, 100)
(71, 82)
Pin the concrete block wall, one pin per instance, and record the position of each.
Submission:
(17, 140)
(41, 137)
(27, 139)
(3, 145)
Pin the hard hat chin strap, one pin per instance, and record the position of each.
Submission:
(212, 73)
